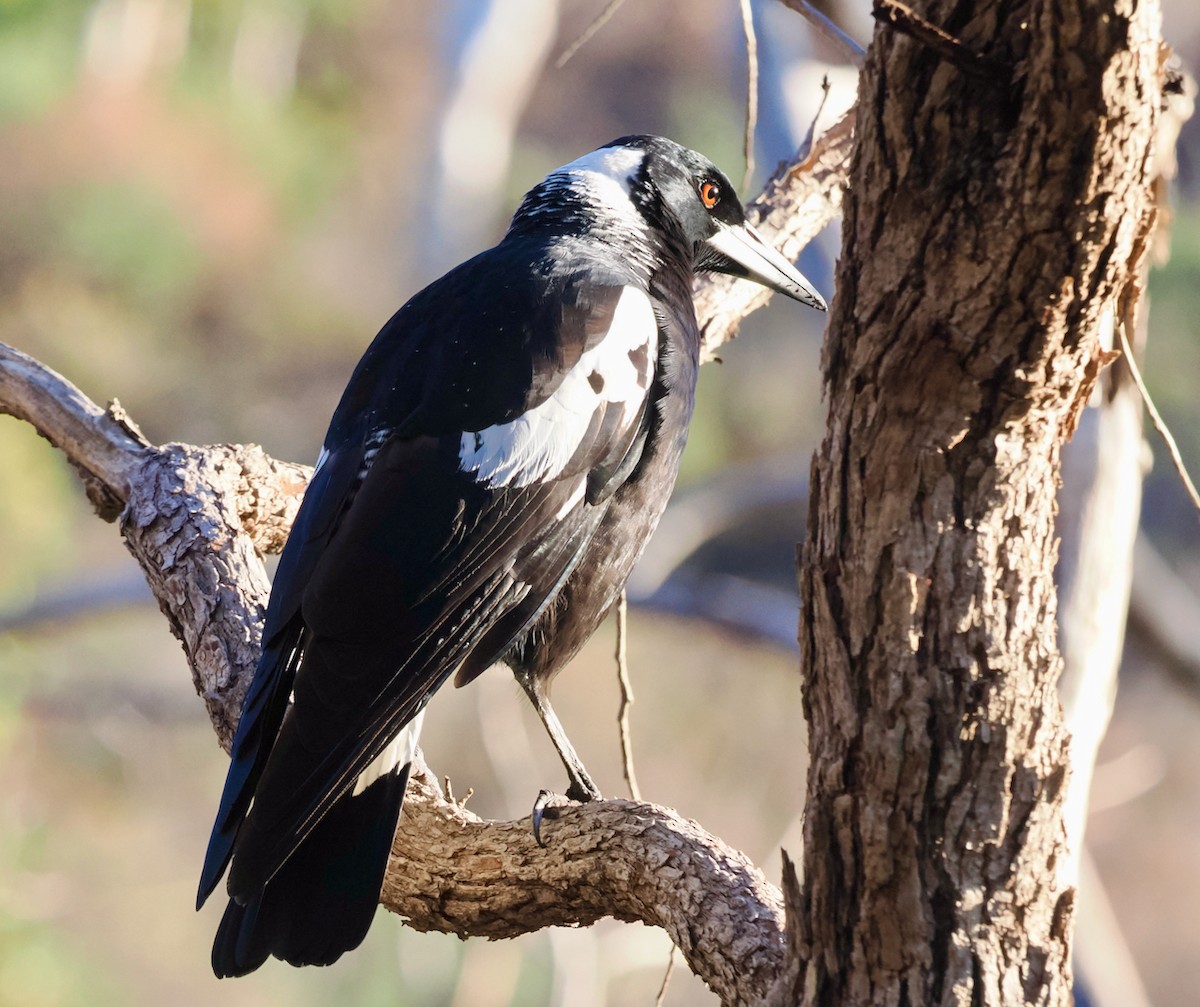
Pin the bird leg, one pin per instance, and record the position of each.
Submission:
(581, 788)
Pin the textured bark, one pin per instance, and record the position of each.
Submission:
(458, 874)
(989, 226)
(196, 520)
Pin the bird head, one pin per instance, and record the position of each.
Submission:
(649, 192)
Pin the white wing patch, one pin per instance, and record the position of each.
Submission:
(400, 751)
(539, 444)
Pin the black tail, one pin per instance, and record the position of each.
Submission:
(320, 903)
(262, 713)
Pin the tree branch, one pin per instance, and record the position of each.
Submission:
(193, 518)
(459, 874)
(103, 450)
(198, 519)
(796, 204)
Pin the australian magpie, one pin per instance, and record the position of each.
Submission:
(496, 464)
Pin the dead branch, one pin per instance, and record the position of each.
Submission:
(797, 202)
(196, 519)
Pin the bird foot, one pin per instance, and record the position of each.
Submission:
(549, 806)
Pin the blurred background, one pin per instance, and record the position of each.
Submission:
(207, 209)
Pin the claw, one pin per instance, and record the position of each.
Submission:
(540, 807)
(549, 806)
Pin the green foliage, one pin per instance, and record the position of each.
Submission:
(39, 51)
(35, 505)
(126, 237)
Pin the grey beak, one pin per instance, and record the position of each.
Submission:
(741, 251)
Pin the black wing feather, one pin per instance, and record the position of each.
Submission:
(401, 567)
(267, 698)
(357, 685)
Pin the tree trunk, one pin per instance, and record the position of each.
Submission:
(998, 208)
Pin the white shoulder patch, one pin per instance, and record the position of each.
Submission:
(538, 445)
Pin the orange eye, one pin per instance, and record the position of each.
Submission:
(710, 194)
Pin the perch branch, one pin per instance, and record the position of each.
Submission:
(459, 874)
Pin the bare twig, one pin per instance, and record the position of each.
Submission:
(601, 20)
(662, 990)
(908, 22)
(751, 91)
(811, 137)
(1159, 423)
(626, 698)
(850, 48)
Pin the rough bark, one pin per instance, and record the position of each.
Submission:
(458, 874)
(991, 222)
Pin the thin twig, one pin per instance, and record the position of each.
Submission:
(908, 22)
(751, 91)
(626, 699)
(601, 20)
(850, 48)
(1159, 424)
(662, 990)
(807, 145)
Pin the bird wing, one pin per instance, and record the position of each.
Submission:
(460, 487)
(267, 698)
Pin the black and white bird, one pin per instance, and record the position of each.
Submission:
(502, 453)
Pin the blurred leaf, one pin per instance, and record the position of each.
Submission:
(126, 235)
(37, 495)
(39, 52)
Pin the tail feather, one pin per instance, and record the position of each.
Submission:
(320, 903)
(262, 714)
